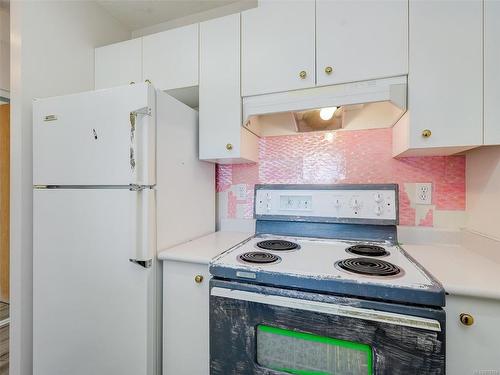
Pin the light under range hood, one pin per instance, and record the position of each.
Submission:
(360, 105)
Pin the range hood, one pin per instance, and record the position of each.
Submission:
(359, 105)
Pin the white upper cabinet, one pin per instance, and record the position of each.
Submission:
(118, 64)
(278, 41)
(445, 81)
(222, 138)
(170, 58)
(360, 40)
(491, 72)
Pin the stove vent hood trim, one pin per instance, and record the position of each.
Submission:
(392, 89)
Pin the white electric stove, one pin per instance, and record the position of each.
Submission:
(324, 288)
(337, 239)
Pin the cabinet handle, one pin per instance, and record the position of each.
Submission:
(132, 83)
(426, 133)
(229, 147)
(328, 70)
(147, 81)
(198, 279)
(466, 319)
(303, 74)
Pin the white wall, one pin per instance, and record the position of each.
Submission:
(4, 48)
(483, 191)
(52, 54)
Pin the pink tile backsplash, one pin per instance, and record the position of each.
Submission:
(362, 156)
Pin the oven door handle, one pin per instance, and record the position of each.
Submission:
(330, 308)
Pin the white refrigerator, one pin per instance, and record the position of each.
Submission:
(116, 178)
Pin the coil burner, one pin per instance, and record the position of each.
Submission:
(259, 257)
(368, 266)
(277, 245)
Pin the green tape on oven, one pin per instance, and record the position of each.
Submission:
(321, 339)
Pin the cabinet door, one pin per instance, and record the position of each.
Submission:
(445, 88)
(118, 64)
(360, 39)
(277, 46)
(170, 58)
(471, 349)
(491, 72)
(222, 137)
(185, 318)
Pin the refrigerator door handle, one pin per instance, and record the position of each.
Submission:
(143, 263)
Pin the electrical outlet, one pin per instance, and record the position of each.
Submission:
(423, 193)
(241, 192)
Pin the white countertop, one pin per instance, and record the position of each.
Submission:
(470, 266)
(203, 249)
(460, 270)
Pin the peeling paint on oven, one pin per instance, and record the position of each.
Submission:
(397, 350)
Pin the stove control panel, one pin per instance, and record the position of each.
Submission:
(342, 204)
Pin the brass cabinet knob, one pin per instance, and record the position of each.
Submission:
(466, 319)
(303, 74)
(147, 81)
(198, 279)
(328, 70)
(229, 147)
(426, 133)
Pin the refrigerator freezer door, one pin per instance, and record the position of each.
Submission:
(93, 309)
(103, 137)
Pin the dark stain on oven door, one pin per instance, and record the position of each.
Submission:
(289, 338)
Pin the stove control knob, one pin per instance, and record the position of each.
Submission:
(379, 198)
(356, 203)
(337, 203)
(378, 210)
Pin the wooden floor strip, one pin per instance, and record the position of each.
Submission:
(4, 339)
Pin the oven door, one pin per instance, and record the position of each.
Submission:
(264, 330)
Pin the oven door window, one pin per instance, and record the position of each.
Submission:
(307, 354)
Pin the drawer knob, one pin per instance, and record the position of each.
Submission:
(466, 319)
(229, 146)
(198, 279)
(426, 133)
(303, 74)
(328, 70)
